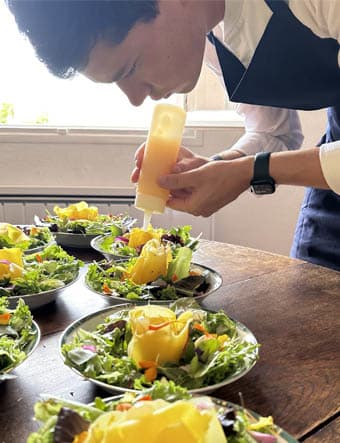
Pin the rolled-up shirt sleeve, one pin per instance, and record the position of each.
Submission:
(268, 129)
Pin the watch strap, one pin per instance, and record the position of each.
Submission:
(262, 182)
(261, 166)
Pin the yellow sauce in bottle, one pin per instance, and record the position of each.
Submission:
(160, 155)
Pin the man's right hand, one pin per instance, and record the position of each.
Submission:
(186, 161)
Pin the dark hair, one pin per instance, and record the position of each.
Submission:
(63, 32)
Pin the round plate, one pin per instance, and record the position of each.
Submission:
(89, 323)
(28, 349)
(282, 436)
(39, 248)
(71, 240)
(214, 280)
(95, 244)
(34, 301)
(83, 241)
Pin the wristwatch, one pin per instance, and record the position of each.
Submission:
(262, 182)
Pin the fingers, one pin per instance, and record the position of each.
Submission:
(134, 177)
(178, 181)
(139, 154)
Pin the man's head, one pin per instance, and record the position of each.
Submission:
(148, 47)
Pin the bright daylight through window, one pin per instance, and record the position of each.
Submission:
(30, 95)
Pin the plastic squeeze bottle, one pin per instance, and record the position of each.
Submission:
(160, 155)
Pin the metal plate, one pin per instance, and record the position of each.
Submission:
(214, 280)
(29, 349)
(41, 298)
(90, 322)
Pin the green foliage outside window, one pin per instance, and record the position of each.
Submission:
(6, 112)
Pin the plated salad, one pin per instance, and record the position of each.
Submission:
(131, 243)
(165, 413)
(49, 269)
(26, 238)
(161, 272)
(79, 218)
(18, 336)
(135, 346)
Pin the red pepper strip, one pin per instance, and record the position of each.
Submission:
(160, 326)
(174, 277)
(145, 398)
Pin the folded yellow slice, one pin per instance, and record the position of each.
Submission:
(157, 335)
(152, 263)
(138, 237)
(78, 211)
(158, 421)
(15, 234)
(11, 264)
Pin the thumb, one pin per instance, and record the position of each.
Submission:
(178, 181)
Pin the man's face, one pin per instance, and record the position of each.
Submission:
(156, 59)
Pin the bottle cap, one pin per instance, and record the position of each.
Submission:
(150, 203)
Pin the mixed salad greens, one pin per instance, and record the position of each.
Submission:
(79, 218)
(25, 238)
(62, 420)
(49, 269)
(135, 346)
(131, 243)
(16, 335)
(162, 271)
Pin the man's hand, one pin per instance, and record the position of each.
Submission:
(204, 190)
(186, 161)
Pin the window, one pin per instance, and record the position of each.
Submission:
(30, 95)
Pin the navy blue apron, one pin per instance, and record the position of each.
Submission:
(295, 69)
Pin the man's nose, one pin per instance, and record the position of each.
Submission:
(135, 92)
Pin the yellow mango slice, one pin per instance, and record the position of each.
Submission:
(156, 335)
(158, 422)
(77, 211)
(138, 237)
(14, 233)
(151, 264)
(14, 268)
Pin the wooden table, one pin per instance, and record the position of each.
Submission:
(291, 306)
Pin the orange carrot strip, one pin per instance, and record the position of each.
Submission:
(123, 407)
(150, 374)
(106, 289)
(5, 318)
(146, 364)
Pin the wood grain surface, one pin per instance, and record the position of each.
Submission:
(291, 306)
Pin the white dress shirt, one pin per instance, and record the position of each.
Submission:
(267, 128)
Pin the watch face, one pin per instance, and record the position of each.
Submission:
(263, 188)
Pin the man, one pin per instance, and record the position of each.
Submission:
(282, 54)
